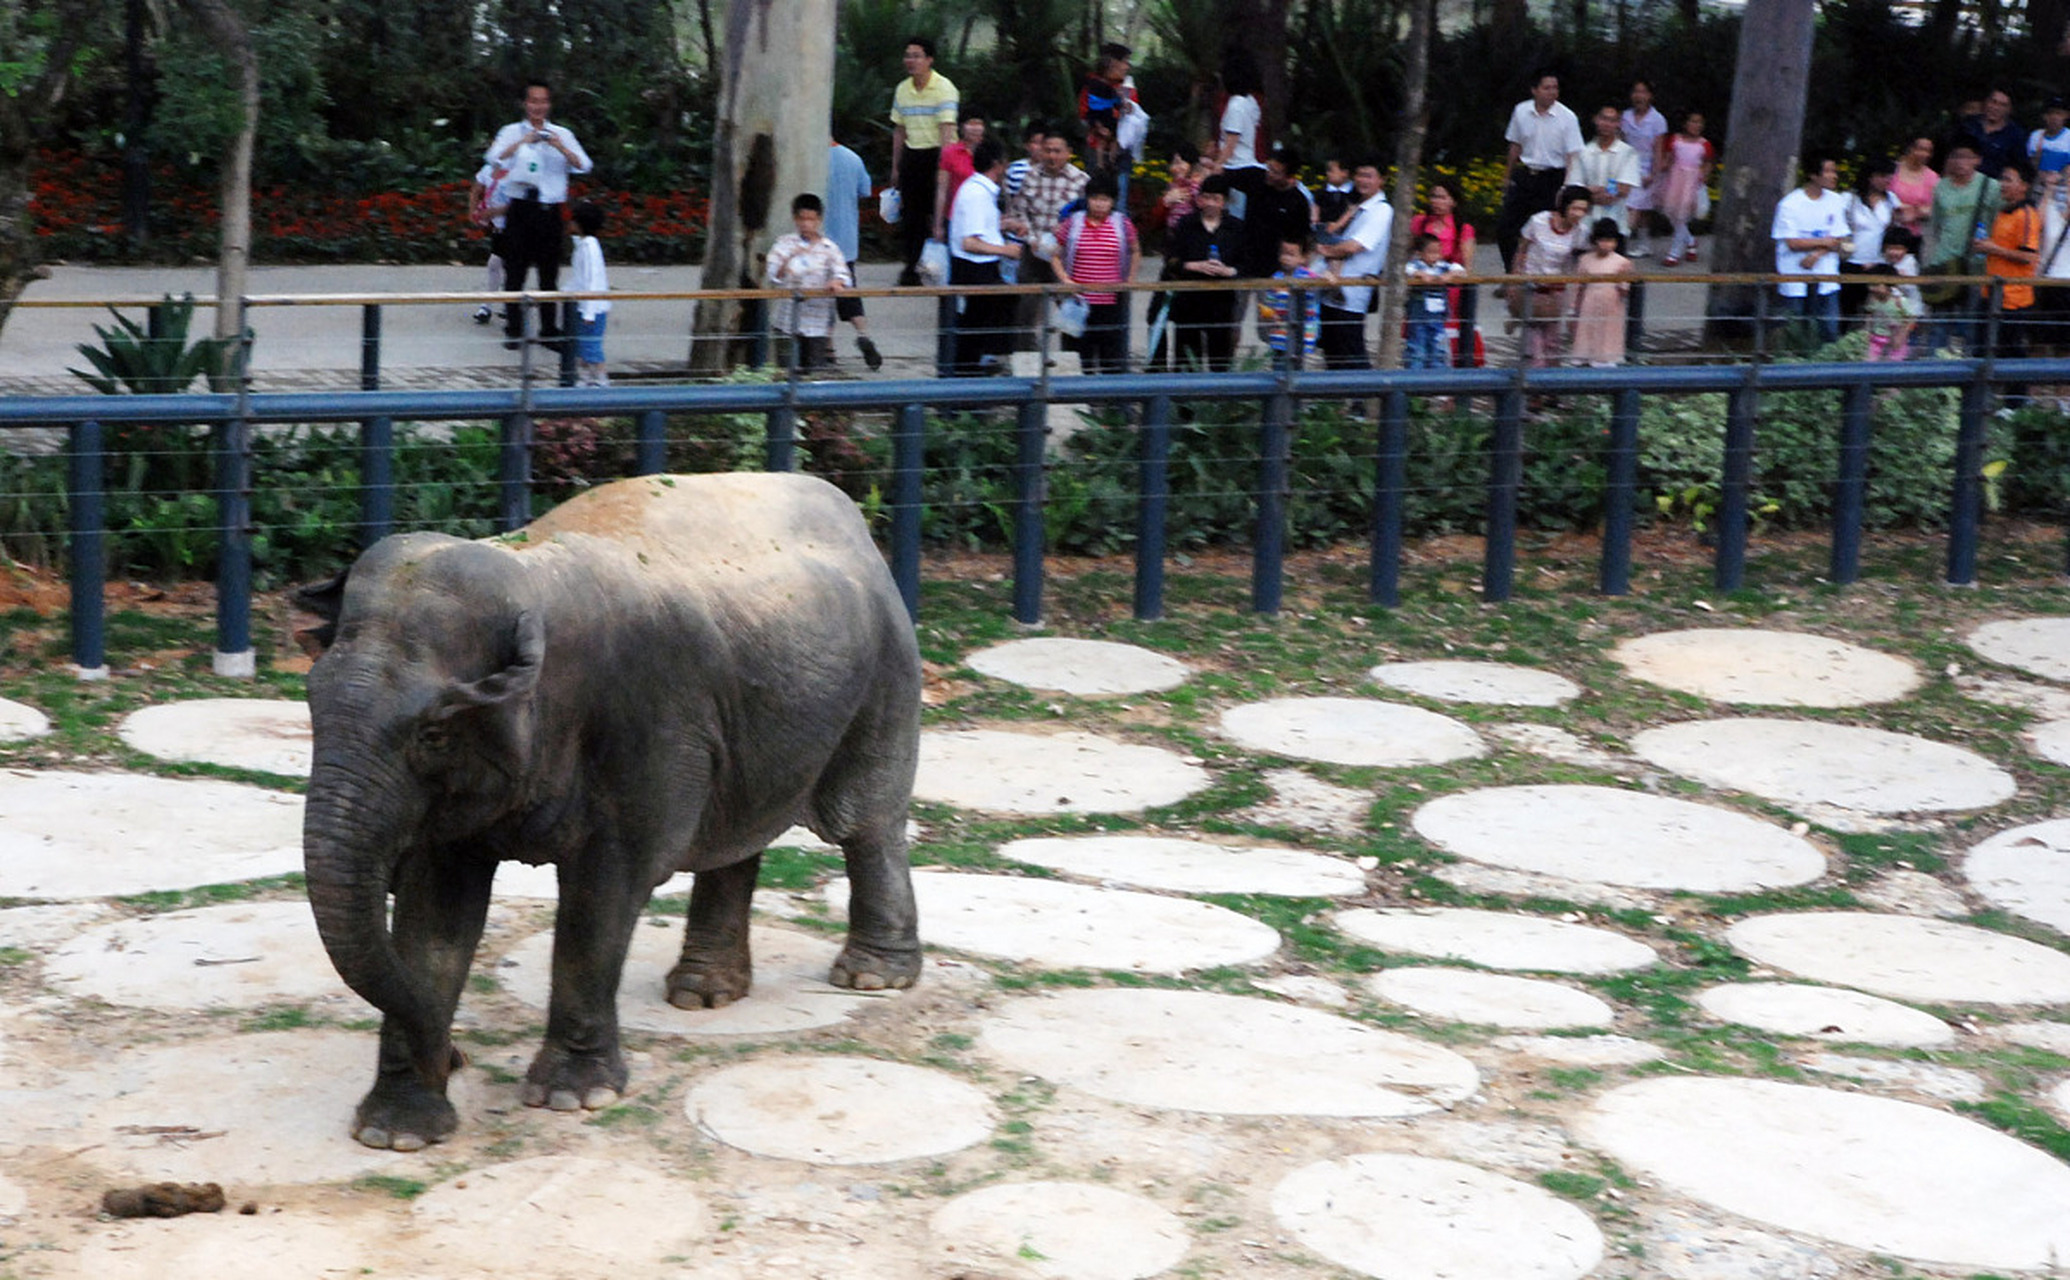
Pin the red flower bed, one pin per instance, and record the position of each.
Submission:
(76, 208)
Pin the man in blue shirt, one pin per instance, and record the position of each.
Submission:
(847, 183)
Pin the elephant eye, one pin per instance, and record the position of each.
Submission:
(434, 735)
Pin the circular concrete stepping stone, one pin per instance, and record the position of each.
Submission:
(2038, 646)
(559, 1215)
(1075, 926)
(791, 992)
(269, 735)
(2052, 741)
(1491, 999)
(1618, 837)
(1191, 866)
(146, 833)
(839, 1110)
(1583, 1051)
(1067, 1230)
(276, 1106)
(1361, 731)
(1767, 668)
(2059, 1098)
(231, 1246)
(1404, 1217)
(239, 956)
(1497, 939)
(2026, 870)
(1949, 1084)
(1886, 1176)
(1000, 772)
(1229, 1055)
(1933, 961)
(1085, 668)
(14, 1198)
(1500, 683)
(1811, 762)
(18, 720)
(1824, 1013)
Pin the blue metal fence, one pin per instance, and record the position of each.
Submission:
(1150, 396)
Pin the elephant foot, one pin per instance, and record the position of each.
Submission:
(868, 969)
(405, 1117)
(562, 1081)
(709, 984)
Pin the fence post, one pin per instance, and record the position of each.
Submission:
(1619, 492)
(89, 547)
(514, 474)
(1028, 530)
(1153, 496)
(1852, 486)
(1469, 313)
(234, 656)
(566, 346)
(370, 347)
(1505, 477)
(1268, 558)
(1966, 507)
(1390, 491)
(1740, 405)
(780, 425)
(650, 452)
(908, 449)
(376, 480)
(1635, 319)
(945, 336)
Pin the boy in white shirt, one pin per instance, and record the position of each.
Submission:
(586, 275)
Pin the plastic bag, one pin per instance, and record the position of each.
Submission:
(1069, 318)
(934, 262)
(888, 205)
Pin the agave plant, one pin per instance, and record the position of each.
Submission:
(131, 360)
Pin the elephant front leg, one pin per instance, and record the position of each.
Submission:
(716, 968)
(440, 908)
(580, 1066)
(883, 924)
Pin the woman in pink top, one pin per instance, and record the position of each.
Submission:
(1913, 186)
(1454, 234)
(1098, 246)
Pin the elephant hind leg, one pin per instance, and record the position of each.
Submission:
(883, 924)
(716, 968)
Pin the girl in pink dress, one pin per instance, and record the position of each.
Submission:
(1685, 167)
(1599, 314)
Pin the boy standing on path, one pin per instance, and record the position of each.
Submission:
(540, 156)
(809, 262)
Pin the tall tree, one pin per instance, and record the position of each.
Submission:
(1761, 146)
(1408, 159)
(44, 45)
(776, 76)
(227, 33)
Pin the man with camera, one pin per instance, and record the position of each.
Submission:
(539, 156)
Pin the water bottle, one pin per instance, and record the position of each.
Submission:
(1610, 188)
(1214, 254)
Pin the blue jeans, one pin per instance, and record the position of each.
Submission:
(589, 337)
(1822, 309)
(1426, 347)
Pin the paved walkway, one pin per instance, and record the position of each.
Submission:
(1128, 1066)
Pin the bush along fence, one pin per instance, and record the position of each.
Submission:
(1271, 457)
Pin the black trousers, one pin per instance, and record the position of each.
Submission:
(916, 176)
(532, 233)
(1530, 191)
(985, 328)
(1202, 330)
(1104, 346)
(1343, 338)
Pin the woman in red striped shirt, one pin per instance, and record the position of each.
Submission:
(1097, 246)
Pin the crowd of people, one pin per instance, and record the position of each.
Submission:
(1235, 206)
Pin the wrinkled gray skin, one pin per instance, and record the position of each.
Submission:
(659, 676)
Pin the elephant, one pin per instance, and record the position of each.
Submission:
(660, 675)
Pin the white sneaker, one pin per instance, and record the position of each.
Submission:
(1643, 249)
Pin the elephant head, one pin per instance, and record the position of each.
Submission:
(422, 705)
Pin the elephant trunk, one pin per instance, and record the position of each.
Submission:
(348, 858)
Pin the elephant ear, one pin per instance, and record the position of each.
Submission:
(326, 600)
(513, 683)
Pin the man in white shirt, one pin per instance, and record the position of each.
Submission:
(539, 156)
(1362, 251)
(1543, 136)
(984, 333)
(1810, 234)
(1609, 167)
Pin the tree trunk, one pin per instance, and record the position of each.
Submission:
(136, 153)
(2048, 27)
(22, 113)
(233, 259)
(1768, 94)
(1408, 159)
(1261, 29)
(776, 87)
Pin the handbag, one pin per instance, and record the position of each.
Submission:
(934, 262)
(1069, 317)
(889, 205)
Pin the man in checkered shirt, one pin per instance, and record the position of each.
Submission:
(1031, 214)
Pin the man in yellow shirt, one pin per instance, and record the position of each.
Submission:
(923, 121)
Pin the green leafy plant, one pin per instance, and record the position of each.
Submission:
(134, 359)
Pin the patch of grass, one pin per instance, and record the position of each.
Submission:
(2024, 1120)
(12, 956)
(626, 1115)
(210, 895)
(1870, 852)
(1575, 1079)
(1574, 1186)
(288, 1018)
(797, 869)
(390, 1185)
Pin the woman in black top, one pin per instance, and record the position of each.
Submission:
(1207, 244)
